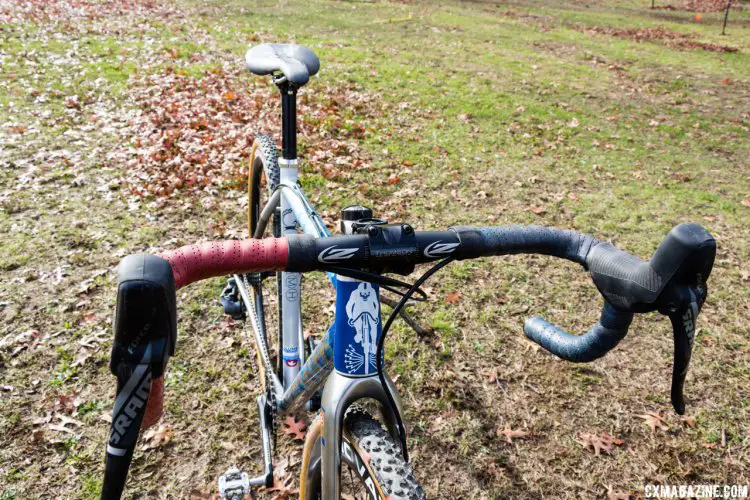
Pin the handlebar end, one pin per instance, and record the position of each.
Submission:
(603, 337)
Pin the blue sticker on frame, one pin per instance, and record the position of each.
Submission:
(357, 327)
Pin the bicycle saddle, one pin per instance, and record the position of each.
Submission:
(296, 62)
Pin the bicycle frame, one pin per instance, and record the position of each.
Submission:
(346, 372)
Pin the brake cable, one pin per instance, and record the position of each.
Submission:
(385, 282)
(381, 348)
(391, 285)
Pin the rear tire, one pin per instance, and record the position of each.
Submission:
(264, 162)
(264, 165)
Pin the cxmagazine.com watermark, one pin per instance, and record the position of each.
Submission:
(696, 491)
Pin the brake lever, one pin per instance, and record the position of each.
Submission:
(683, 320)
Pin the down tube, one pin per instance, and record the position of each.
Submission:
(310, 378)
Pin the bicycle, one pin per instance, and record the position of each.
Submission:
(347, 363)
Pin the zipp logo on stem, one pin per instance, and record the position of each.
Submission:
(334, 254)
(439, 249)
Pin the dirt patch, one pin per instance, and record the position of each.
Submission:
(664, 36)
(190, 134)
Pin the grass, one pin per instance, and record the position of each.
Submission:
(551, 124)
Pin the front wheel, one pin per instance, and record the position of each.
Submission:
(372, 466)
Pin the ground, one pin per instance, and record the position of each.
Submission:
(126, 127)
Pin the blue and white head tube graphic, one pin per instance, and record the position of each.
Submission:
(357, 327)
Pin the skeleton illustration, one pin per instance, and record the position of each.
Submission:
(363, 310)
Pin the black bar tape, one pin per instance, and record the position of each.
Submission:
(506, 240)
(308, 253)
(603, 337)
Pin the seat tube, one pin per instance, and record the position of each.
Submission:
(292, 338)
(293, 354)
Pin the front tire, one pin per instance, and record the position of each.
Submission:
(372, 466)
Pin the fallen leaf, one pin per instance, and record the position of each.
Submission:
(200, 495)
(510, 433)
(295, 428)
(157, 437)
(62, 426)
(535, 209)
(280, 469)
(654, 420)
(282, 490)
(490, 374)
(67, 403)
(407, 163)
(688, 420)
(617, 495)
(36, 435)
(453, 298)
(82, 357)
(746, 202)
(599, 443)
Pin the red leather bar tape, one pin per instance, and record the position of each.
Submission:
(217, 258)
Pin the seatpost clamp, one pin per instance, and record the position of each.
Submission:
(288, 162)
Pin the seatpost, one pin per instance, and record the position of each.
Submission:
(288, 120)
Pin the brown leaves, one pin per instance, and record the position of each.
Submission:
(618, 495)
(24, 340)
(491, 374)
(193, 134)
(65, 425)
(688, 420)
(666, 36)
(603, 442)
(282, 491)
(537, 209)
(453, 298)
(295, 428)
(156, 437)
(510, 434)
(73, 10)
(654, 421)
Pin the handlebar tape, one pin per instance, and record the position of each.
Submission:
(507, 240)
(205, 260)
(217, 258)
(603, 337)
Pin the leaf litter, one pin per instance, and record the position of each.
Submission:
(194, 134)
(659, 34)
